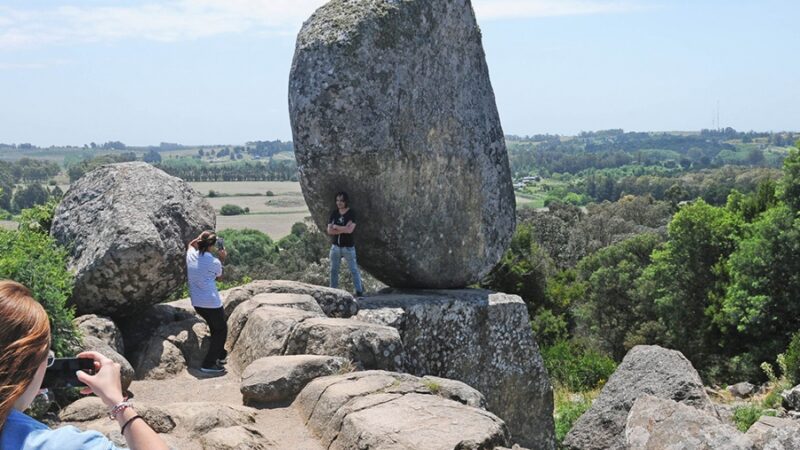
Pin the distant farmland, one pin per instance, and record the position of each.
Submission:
(273, 215)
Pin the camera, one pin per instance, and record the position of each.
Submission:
(62, 373)
(220, 243)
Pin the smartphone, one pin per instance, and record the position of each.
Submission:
(220, 243)
(62, 373)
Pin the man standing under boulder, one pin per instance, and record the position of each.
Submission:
(341, 225)
(203, 269)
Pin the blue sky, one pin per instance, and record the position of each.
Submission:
(216, 71)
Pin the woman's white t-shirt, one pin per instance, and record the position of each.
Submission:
(202, 271)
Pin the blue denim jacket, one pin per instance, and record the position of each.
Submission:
(21, 432)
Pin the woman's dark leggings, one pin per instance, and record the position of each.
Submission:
(215, 317)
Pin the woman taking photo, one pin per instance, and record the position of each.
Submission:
(203, 270)
(24, 357)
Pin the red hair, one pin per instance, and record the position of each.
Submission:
(24, 342)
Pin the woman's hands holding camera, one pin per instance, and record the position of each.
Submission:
(106, 382)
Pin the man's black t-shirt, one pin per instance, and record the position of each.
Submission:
(342, 240)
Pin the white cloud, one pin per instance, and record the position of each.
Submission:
(171, 20)
(520, 9)
(176, 20)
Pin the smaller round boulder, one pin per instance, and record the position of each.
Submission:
(126, 227)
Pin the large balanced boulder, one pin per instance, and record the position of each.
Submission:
(481, 338)
(126, 227)
(645, 370)
(391, 102)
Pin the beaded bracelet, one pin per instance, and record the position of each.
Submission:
(118, 408)
(122, 431)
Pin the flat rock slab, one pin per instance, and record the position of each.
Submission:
(656, 423)
(281, 378)
(479, 337)
(392, 102)
(126, 227)
(645, 370)
(368, 345)
(378, 409)
(334, 302)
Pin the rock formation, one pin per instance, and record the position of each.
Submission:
(391, 102)
(479, 337)
(660, 423)
(377, 409)
(126, 227)
(651, 370)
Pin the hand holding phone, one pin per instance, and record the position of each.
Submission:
(104, 381)
(220, 243)
(63, 372)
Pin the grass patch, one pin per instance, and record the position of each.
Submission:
(746, 415)
(569, 406)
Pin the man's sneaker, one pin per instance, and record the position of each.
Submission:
(359, 294)
(216, 368)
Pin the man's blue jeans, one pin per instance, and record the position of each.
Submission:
(349, 254)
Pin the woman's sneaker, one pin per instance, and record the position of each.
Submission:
(216, 368)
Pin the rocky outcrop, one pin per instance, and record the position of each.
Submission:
(655, 423)
(377, 409)
(333, 302)
(791, 398)
(281, 378)
(126, 227)
(102, 328)
(478, 337)
(173, 348)
(742, 390)
(651, 370)
(264, 332)
(368, 345)
(391, 102)
(774, 433)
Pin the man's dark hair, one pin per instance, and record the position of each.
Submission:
(344, 196)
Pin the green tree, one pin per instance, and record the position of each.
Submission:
(30, 196)
(248, 247)
(33, 258)
(523, 270)
(231, 210)
(612, 309)
(687, 277)
(790, 184)
(760, 310)
(152, 157)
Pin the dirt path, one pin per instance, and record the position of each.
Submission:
(281, 426)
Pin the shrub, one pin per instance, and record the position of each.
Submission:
(231, 210)
(792, 359)
(248, 247)
(746, 415)
(39, 218)
(577, 366)
(212, 193)
(34, 259)
(270, 194)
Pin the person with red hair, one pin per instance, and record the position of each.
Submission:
(24, 357)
